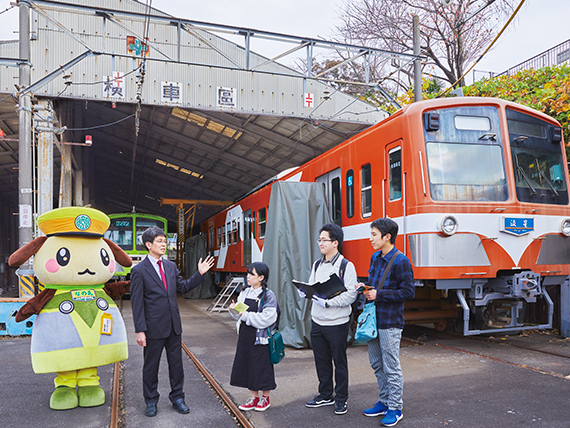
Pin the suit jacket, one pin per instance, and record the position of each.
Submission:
(155, 310)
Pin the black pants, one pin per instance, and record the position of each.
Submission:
(152, 354)
(329, 345)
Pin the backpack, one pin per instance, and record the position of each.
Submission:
(341, 270)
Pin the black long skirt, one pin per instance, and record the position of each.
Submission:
(252, 368)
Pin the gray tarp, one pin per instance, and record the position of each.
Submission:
(296, 213)
(194, 249)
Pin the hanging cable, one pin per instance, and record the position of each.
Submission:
(101, 126)
(106, 81)
(6, 10)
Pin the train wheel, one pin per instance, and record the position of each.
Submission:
(443, 324)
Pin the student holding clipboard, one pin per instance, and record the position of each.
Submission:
(330, 319)
(255, 312)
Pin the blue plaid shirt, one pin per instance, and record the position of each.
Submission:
(398, 288)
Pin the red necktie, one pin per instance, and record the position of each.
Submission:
(162, 273)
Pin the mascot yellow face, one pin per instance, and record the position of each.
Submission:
(74, 252)
(74, 260)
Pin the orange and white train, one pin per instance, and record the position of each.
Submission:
(479, 189)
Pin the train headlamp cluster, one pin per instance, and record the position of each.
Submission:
(448, 225)
(565, 227)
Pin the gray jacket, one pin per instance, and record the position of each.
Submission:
(339, 309)
(264, 318)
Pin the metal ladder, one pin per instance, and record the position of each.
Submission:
(221, 301)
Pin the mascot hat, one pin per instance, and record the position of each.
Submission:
(74, 221)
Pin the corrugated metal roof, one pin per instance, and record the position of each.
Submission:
(190, 148)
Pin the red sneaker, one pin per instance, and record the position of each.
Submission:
(250, 404)
(263, 404)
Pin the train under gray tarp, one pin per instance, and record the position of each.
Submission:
(195, 249)
(296, 212)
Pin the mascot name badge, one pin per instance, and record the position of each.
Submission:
(78, 327)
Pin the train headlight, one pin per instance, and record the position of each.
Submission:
(565, 227)
(448, 225)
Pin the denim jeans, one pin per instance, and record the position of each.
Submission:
(384, 356)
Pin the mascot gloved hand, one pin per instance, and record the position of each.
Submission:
(78, 326)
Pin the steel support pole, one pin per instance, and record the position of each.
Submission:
(417, 61)
(25, 193)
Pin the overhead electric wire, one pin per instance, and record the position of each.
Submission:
(106, 81)
(101, 126)
(6, 10)
(486, 50)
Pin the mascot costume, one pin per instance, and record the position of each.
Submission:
(78, 326)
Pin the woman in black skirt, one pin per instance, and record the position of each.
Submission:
(252, 368)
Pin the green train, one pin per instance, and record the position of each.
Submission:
(126, 231)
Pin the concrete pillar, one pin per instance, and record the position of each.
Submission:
(45, 159)
(78, 202)
(65, 183)
(25, 190)
(417, 61)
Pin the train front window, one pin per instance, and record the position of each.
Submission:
(537, 159)
(143, 224)
(536, 169)
(466, 172)
(121, 232)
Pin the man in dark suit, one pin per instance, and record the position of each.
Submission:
(154, 283)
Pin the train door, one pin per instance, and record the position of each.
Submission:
(394, 191)
(247, 235)
(332, 184)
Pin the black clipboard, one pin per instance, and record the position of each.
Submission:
(326, 290)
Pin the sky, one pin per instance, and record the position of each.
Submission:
(540, 24)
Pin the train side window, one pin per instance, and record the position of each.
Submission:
(262, 222)
(219, 242)
(350, 193)
(235, 229)
(254, 226)
(229, 232)
(224, 235)
(211, 240)
(336, 200)
(395, 164)
(366, 190)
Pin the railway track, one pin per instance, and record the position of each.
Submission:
(424, 335)
(117, 402)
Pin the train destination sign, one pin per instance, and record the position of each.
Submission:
(517, 226)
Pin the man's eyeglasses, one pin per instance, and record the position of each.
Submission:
(320, 240)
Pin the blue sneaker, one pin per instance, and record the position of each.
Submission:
(376, 410)
(392, 418)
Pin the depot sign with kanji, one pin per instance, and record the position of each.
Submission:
(114, 87)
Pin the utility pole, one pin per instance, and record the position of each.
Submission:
(25, 194)
(417, 61)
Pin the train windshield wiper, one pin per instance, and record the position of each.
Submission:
(547, 181)
(532, 189)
